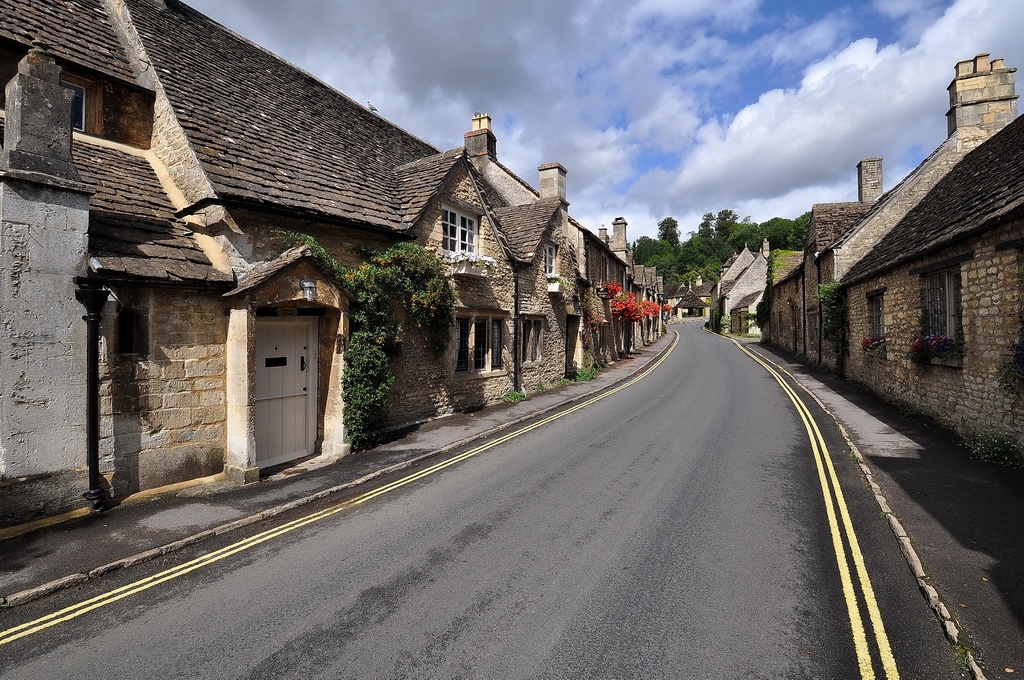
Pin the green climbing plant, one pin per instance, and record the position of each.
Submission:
(406, 284)
(833, 314)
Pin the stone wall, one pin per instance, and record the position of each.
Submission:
(163, 405)
(967, 398)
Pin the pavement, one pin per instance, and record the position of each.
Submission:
(957, 519)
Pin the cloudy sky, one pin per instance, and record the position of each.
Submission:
(656, 107)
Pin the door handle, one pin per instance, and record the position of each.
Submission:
(302, 363)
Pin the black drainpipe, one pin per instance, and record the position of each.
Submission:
(803, 309)
(93, 296)
(516, 353)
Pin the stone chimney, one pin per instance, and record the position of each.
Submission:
(869, 180)
(765, 248)
(44, 222)
(480, 141)
(37, 130)
(602, 234)
(552, 181)
(982, 98)
(618, 244)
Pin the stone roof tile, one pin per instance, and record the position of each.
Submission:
(266, 131)
(524, 225)
(983, 190)
(78, 31)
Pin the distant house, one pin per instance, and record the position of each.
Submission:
(741, 286)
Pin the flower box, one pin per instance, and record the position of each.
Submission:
(555, 287)
(468, 269)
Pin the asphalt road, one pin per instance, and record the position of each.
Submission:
(676, 528)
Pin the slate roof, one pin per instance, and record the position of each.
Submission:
(831, 221)
(132, 231)
(675, 289)
(983, 190)
(132, 228)
(524, 225)
(749, 300)
(788, 265)
(264, 271)
(266, 131)
(91, 40)
(690, 300)
(419, 181)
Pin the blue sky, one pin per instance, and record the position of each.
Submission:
(655, 107)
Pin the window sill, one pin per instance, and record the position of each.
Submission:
(479, 375)
(952, 362)
(467, 269)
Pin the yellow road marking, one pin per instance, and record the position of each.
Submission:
(834, 498)
(76, 610)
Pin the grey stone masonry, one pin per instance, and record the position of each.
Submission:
(981, 95)
(869, 180)
(44, 219)
(37, 130)
(552, 181)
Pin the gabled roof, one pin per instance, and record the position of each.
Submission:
(832, 221)
(787, 265)
(133, 232)
(91, 40)
(690, 300)
(524, 225)
(675, 289)
(748, 300)
(264, 271)
(419, 181)
(267, 132)
(983, 190)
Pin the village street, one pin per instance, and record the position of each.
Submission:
(676, 528)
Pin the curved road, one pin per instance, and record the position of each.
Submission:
(675, 529)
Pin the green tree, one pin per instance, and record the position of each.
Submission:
(668, 230)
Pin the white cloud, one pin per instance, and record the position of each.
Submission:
(654, 106)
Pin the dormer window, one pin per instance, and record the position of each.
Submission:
(550, 261)
(458, 232)
(77, 107)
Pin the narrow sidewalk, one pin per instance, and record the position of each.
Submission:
(62, 554)
(962, 516)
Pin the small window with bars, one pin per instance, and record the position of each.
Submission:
(876, 315)
(531, 340)
(943, 303)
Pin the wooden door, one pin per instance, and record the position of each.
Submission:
(285, 390)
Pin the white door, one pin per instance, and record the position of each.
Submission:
(286, 381)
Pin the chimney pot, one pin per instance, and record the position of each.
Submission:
(982, 99)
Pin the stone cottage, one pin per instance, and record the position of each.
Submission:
(952, 267)
(982, 101)
(153, 166)
(741, 287)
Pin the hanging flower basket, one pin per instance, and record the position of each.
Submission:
(609, 289)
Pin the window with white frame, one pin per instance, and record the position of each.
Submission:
(458, 232)
(876, 314)
(479, 342)
(942, 293)
(550, 260)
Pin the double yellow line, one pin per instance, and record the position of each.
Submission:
(841, 526)
(76, 610)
